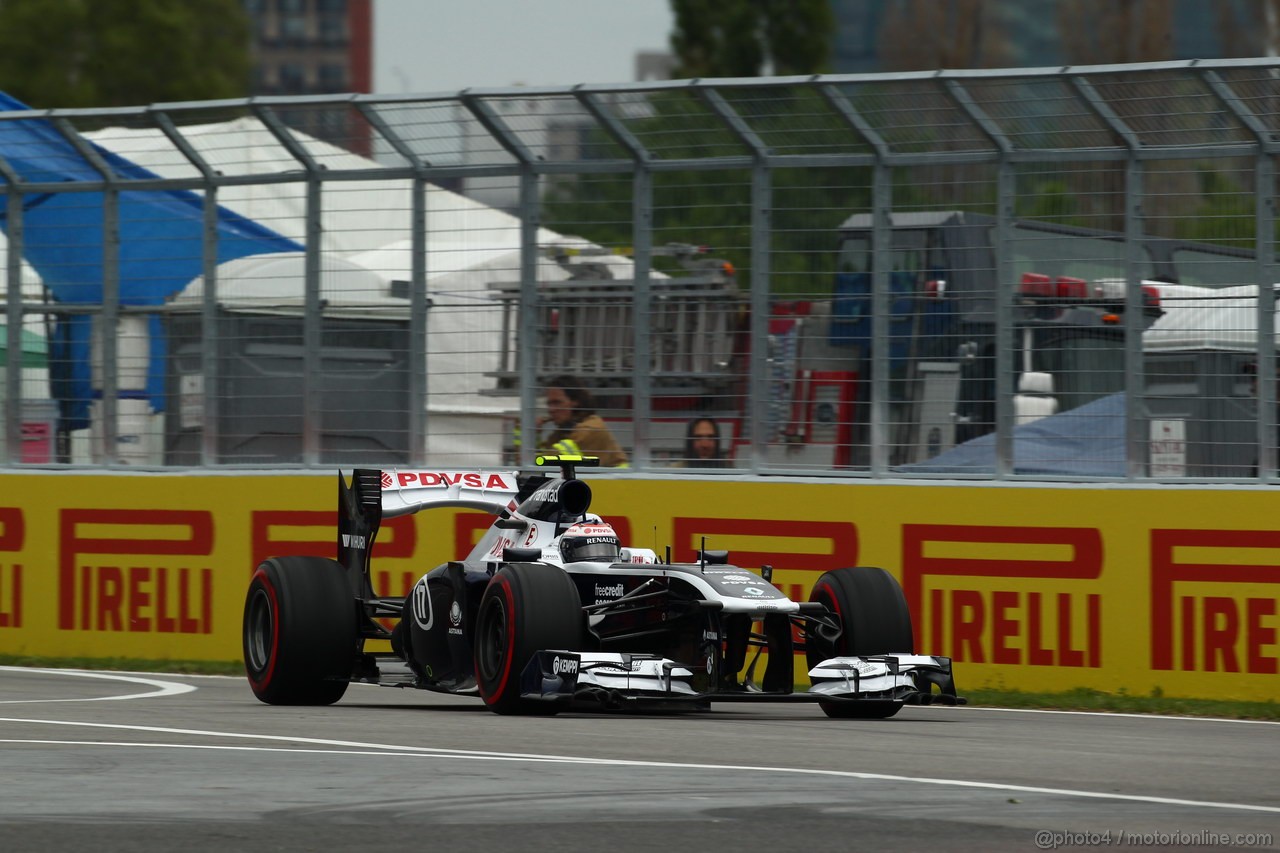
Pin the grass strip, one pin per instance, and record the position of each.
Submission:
(189, 667)
(1086, 699)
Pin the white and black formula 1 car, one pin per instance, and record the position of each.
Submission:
(549, 609)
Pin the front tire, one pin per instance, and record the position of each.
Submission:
(876, 620)
(299, 631)
(526, 607)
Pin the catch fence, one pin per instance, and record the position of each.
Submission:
(1010, 274)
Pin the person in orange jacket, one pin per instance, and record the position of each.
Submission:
(578, 429)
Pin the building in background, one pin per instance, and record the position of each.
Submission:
(314, 47)
(908, 35)
(654, 65)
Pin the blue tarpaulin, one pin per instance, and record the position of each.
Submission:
(1085, 441)
(160, 248)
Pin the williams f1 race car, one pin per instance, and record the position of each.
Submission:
(550, 610)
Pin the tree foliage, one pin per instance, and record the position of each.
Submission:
(929, 34)
(104, 53)
(1096, 32)
(748, 38)
(729, 38)
(712, 207)
(1249, 29)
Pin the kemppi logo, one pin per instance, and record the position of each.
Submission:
(564, 666)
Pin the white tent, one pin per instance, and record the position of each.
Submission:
(357, 216)
(1206, 318)
(269, 284)
(368, 223)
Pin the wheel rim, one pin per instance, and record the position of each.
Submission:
(493, 638)
(260, 631)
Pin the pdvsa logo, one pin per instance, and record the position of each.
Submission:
(444, 479)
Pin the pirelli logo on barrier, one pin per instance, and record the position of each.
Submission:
(1214, 600)
(136, 570)
(276, 532)
(814, 545)
(1187, 604)
(12, 536)
(1005, 595)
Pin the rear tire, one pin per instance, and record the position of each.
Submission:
(299, 631)
(525, 608)
(876, 621)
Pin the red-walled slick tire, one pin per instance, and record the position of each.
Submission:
(299, 632)
(526, 607)
(876, 621)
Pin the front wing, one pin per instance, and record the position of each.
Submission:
(617, 679)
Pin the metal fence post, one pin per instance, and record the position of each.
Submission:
(530, 220)
(761, 235)
(881, 212)
(14, 315)
(110, 316)
(881, 262)
(642, 360)
(1134, 367)
(419, 300)
(1264, 246)
(210, 403)
(313, 308)
(642, 258)
(1005, 333)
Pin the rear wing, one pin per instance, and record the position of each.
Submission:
(406, 492)
(374, 495)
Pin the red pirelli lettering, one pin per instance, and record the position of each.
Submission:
(111, 598)
(397, 537)
(12, 528)
(1005, 626)
(840, 539)
(12, 534)
(1217, 633)
(11, 596)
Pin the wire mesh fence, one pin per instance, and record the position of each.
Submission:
(1030, 273)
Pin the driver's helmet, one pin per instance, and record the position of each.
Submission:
(592, 540)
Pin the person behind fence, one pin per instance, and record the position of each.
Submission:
(578, 430)
(702, 445)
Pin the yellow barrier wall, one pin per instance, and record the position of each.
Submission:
(1033, 588)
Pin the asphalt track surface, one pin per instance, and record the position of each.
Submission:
(151, 762)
